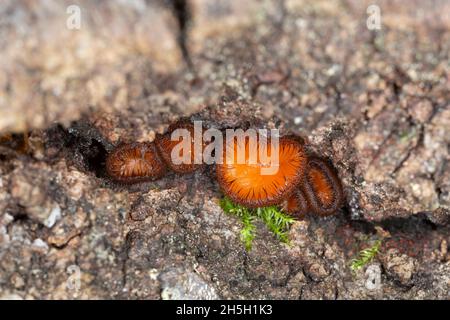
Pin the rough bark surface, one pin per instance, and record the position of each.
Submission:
(376, 103)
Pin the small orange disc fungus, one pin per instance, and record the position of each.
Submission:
(135, 162)
(245, 182)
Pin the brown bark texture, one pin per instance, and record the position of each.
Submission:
(374, 102)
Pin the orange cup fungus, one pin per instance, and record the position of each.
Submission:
(166, 145)
(296, 205)
(135, 162)
(247, 184)
(322, 187)
(250, 174)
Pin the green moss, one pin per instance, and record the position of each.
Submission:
(408, 135)
(275, 220)
(365, 256)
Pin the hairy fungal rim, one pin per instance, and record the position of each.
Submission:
(297, 205)
(280, 195)
(144, 154)
(310, 187)
(164, 145)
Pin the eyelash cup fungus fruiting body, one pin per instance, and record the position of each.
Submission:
(245, 184)
(298, 182)
(322, 187)
(135, 162)
(166, 145)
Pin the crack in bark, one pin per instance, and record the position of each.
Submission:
(181, 11)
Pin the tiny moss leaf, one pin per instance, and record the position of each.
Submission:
(365, 256)
(275, 220)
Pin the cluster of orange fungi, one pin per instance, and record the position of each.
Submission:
(302, 183)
